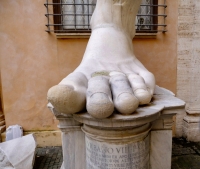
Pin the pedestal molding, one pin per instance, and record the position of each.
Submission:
(193, 108)
(142, 116)
(114, 135)
(192, 118)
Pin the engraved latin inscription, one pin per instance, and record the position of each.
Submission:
(101, 155)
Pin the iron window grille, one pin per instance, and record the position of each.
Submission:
(73, 16)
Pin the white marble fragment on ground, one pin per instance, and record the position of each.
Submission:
(18, 153)
(14, 131)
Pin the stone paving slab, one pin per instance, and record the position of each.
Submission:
(48, 158)
(185, 155)
(186, 162)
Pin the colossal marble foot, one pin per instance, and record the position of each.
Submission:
(109, 76)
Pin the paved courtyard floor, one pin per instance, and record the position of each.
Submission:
(48, 158)
(185, 155)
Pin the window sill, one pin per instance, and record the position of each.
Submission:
(87, 35)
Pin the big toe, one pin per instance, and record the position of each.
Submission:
(65, 99)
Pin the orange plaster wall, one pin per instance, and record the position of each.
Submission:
(28, 64)
(32, 61)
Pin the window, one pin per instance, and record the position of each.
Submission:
(73, 16)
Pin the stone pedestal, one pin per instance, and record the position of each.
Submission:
(191, 122)
(142, 140)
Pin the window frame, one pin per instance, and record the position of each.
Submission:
(58, 25)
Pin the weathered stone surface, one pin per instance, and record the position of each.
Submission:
(132, 155)
(162, 91)
(188, 82)
(161, 147)
(193, 108)
(120, 148)
(191, 127)
(141, 116)
(73, 148)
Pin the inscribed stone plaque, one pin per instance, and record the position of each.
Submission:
(102, 155)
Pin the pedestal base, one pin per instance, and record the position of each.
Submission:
(191, 127)
(191, 122)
